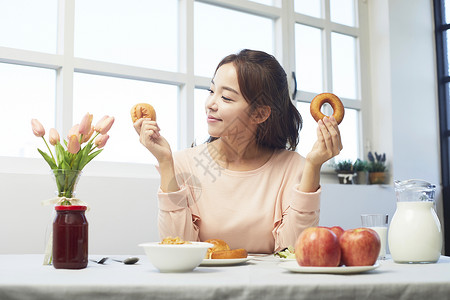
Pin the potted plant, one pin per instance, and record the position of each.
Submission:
(377, 168)
(344, 170)
(361, 167)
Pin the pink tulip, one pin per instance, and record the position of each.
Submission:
(100, 122)
(88, 136)
(74, 131)
(101, 140)
(73, 145)
(38, 129)
(85, 125)
(104, 126)
(53, 136)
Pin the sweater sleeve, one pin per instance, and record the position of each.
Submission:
(303, 211)
(175, 217)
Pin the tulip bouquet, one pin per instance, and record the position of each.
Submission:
(81, 146)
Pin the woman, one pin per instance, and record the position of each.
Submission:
(246, 185)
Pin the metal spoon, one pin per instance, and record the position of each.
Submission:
(129, 260)
(101, 261)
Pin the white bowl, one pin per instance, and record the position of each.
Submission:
(176, 258)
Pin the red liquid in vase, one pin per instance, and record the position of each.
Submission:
(70, 237)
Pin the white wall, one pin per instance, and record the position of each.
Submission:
(414, 91)
(404, 113)
(404, 92)
(122, 214)
(123, 211)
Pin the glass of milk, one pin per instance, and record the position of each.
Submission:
(377, 222)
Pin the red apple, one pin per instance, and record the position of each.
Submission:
(338, 231)
(317, 247)
(360, 247)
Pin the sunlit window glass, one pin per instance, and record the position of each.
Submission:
(220, 32)
(308, 58)
(133, 32)
(308, 134)
(447, 11)
(350, 134)
(343, 48)
(27, 93)
(343, 12)
(265, 2)
(447, 46)
(200, 125)
(101, 95)
(29, 25)
(349, 129)
(308, 7)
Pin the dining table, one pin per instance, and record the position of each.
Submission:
(23, 276)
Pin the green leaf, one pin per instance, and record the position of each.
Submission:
(84, 156)
(48, 159)
(67, 162)
(91, 157)
(80, 157)
(64, 165)
(66, 180)
(76, 161)
(59, 149)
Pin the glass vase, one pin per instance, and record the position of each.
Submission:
(66, 182)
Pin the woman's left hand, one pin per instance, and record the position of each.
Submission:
(328, 142)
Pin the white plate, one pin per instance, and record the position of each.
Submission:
(224, 262)
(294, 267)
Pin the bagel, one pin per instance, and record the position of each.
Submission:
(333, 100)
(219, 245)
(142, 110)
(229, 254)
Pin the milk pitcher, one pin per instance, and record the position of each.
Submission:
(415, 234)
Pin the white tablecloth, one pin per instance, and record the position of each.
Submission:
(24, 277)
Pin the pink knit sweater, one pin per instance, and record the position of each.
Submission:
(260, 210)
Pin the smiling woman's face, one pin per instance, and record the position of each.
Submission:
(226, 108)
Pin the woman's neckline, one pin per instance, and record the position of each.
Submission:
(240, 172)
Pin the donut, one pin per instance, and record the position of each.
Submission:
(142, 110)
(229, 254)
(333, 100)
(219, 245)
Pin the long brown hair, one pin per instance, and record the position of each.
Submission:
(263, 82)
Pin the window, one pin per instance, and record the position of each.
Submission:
(200, 126)
(311, 8)
(127, 32)
(215, 36)
(26, 93)
(327, 60)
(113, 96)
(308, 58)
(343, 12)
(29, 25)
(164, 52)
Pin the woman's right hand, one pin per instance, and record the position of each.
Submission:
(150, 137)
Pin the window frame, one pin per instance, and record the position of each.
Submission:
(359, 32)
(443, 79)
